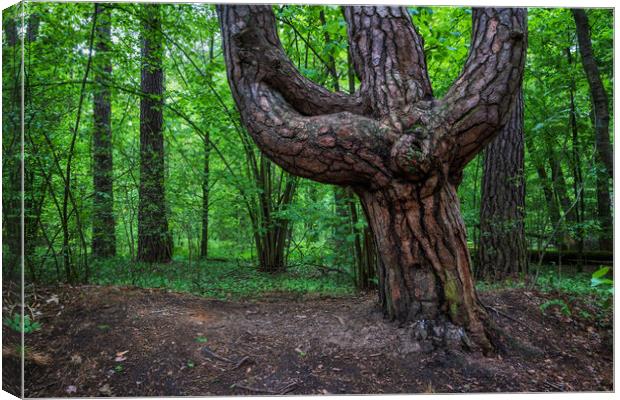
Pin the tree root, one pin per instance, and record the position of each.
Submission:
(503, 342)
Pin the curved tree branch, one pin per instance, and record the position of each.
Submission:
(478, 103)
(392, 126)
(251, 35)
(300, 125)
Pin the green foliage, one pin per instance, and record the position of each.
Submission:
(198, 104)
(15, 323)
(221, 280)
(556, 302)
(599, 281)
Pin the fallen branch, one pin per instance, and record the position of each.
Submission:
(241, 362)
(503, 314)
(209, 353)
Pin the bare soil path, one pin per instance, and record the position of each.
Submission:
(109, 341)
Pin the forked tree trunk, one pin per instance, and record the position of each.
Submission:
(503, 248)
(398, 148)
(154, 239)
(104, 237)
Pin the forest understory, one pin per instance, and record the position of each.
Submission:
(124, 341)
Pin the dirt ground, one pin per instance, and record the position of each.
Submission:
(106, 341)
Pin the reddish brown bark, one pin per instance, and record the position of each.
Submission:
(503, 247)
(401, 150)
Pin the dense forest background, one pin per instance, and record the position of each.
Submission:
(229, 214)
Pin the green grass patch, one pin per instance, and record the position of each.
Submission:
(594, 288)
(220, 280)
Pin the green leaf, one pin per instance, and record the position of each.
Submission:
(600, 272)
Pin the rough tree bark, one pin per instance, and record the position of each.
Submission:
(401, 150)
(104, 237)
(604, 153)
(503, 247)
(154, 240)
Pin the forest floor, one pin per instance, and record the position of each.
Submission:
(121, 341)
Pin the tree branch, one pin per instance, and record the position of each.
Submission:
(388, 56)
(279, 107)
(252, 31)
(478, 103)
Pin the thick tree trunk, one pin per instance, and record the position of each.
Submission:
(601, 128)
(401, 150)
(503, 247)
(154, 240)
(425, 267)
(104, 237)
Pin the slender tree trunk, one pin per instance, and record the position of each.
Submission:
(154, 239)
(503, 247)
(32, 206)
(274, 233)
(104, 236)
(204, 241)
(560, 187)
(341, 200)
(11, 148)
(71, 271)
(342, 227)
(401, 150)
(551, 202)
(204, 238)
(364, 245)
(578, 183)
(604, 155)
(331, 62)
(568, 215)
